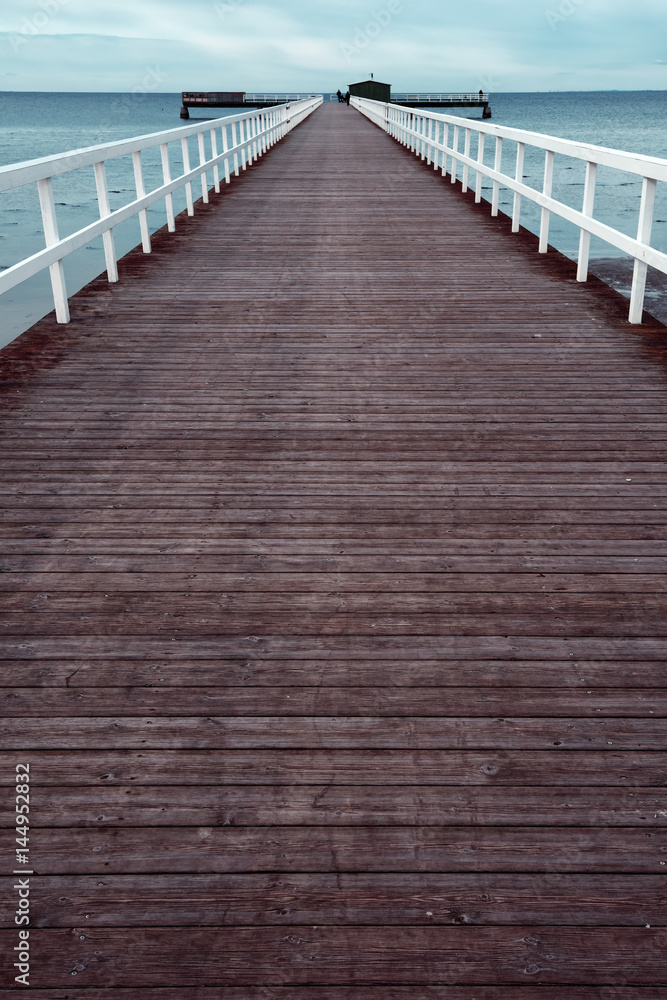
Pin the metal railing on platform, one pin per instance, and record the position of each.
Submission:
(280, 98)
(427, 134)
(244, 138)
(477, 99)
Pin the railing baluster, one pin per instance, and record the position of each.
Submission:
(518, 176)
(546, 190)
(214, 152)
(185, 150)
(466, 152)
(105, 212)
(252, 129)
(141, 193)
(429, 146)
(202, 160)
(225, 148)
(585, 237)
(166, 178)
(243, 134)
(480, 176)
(649, 188)
(455, 149)
(235, 142)
(497, 166)
(445, 143)
(57, 270)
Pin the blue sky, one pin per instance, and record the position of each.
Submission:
(173, 45)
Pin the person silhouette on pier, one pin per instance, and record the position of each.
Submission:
(339, 95)
(347, 98)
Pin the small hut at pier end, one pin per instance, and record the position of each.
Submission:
(372, 90)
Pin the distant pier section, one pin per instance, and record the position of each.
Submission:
(370, 89)
(373, 90)
(236, 99)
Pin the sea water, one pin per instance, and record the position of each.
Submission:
(34, 125)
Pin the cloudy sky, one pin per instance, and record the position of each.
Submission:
(173, 45)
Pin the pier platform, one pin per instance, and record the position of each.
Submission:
(333, 606)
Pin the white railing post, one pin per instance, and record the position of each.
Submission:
(516, 213)
(214, 151)
(466, 152)
(455, 149)
(244, 128)
(57, 270)
(185, 151)
(166, 178)
(225, 149)
(497, 166)
(105, 212)
(202, 161)
(252, 124)
(445, 143)
(546, 191)
(141, 193)
(649, 188)
(236, 142)
(429, 143)
(480, 176)
(585, 236)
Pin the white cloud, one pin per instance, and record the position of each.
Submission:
(243, 44)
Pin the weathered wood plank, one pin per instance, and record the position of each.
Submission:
(318, 702)
(344, 955)
(628, 769)
(80, 672)
(565, 849)
(345, 805)
(351, 647)
(340, 899)
(435, 992)
(211, 733)
(236, 622)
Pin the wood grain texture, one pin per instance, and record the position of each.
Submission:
(332, 606)
(341, 898)
(347, 955)
(617, 991)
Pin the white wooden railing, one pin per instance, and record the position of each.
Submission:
(428, 135)
(441, 98)
(280, 97)
(244, 138)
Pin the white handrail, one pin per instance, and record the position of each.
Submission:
(409, 127)
(280, 97)
(434, 98)
(252, 133)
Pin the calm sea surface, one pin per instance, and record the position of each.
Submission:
(34, 125)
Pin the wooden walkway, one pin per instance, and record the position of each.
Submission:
(333, 603)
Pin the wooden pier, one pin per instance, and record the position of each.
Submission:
(334, 632)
